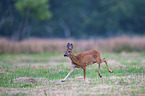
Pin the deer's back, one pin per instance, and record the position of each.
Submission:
(89, 57)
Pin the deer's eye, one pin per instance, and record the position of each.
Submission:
(68, 51)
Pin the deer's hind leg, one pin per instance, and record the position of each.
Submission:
(99, 71)
(104, 60)
(98, 61)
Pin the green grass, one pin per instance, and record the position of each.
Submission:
(49, 69)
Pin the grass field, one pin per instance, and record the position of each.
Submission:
(39, 46)
(41, 75)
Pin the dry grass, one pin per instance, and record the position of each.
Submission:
(117, 44)
(128, 78)
(113, 86)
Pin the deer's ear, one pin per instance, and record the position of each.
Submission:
(68, 45)
(71, 46)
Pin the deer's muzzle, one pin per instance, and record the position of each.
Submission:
(65, 55)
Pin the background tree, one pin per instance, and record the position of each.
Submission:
(36, 9)
(21, 19)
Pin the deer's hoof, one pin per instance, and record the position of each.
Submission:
(111, 71)
(62, 81)
(100, 76)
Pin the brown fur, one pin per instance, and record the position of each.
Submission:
(84, 59)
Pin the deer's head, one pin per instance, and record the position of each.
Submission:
(69, 50)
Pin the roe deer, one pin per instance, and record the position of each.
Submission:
(84, 59)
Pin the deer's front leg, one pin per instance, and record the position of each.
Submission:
(68, 74)
(84, 73)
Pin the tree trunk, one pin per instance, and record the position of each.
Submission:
(26, 24)
(67, 32)
(20, 33)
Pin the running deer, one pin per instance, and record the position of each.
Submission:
(84, 59)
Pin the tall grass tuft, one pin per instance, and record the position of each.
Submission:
(34, 45)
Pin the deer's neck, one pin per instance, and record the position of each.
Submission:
(74, 59)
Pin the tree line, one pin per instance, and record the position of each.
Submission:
(20, 19)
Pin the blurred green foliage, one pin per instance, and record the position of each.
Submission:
(71, 18)
(38, 8)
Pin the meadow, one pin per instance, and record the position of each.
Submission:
(41, 75)
(35, 45)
